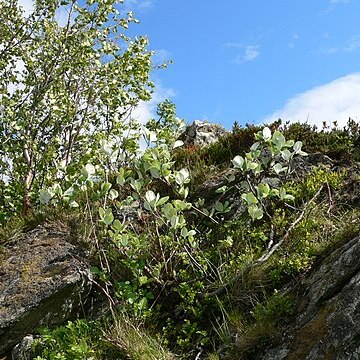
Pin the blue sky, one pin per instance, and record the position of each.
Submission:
(255, 60)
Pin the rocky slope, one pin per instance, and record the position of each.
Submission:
(45, 275)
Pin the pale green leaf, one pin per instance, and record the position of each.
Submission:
(266, 133)
(238, 162)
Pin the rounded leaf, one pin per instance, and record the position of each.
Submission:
(238, 162)
(266, 133)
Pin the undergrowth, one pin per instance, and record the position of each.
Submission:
(208, 300)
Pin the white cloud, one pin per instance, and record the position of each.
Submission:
(147, 109)
(351, 45)
(294, 38)
(339, 1)
(250, 54)
(335, 101)
(233, 45)
(138, 4)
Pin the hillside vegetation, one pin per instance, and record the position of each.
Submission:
(197, 251)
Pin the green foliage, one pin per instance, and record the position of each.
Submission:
(76, 340)
(53, 120)
(70, 145)
(263, 328)
(212, 158)
(277, 308)
(271, 155)
(135, 342)
(304, 189)
(339, 144)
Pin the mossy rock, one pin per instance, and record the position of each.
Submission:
(44, 279)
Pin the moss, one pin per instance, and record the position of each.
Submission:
(311, 334)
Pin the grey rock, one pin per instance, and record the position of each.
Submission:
(328, 322)
(44, 281)
(202, 133)
(21, 351)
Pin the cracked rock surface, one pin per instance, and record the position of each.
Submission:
(44, 280)
(328, 322)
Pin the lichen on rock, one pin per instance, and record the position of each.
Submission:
(44, 281)
(328, 322)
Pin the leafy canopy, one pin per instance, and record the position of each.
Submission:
(65, 88)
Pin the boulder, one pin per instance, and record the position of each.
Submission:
(44, 280)
(202, 133)
(328, 322)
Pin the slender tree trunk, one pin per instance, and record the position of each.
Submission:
(29, 176)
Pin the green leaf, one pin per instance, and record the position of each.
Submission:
(120, 180)
(255, 146)
(192, 233)
(150, 196)
(221, 190)
(68, 192)
(286, 155)
(169, 211)
(124, 240)
(297, 147)
(252, 165)
(289, 143)
(263, 190)
(113, 194)
(174, 221)
(88, 170)
(184, 232)
(274, 192)
(255, 212)
(155, 172)
(162, 201)
(45, 196)
(106, 216)
(105, 187)
(57, 190)
(136, 184)
(238, 162)
(266, 133)
(282, 193)
(182, 177)
(250, 198)
(278, 139)
(219, 206)
(117, 225)
(73, 204)
(143, 280)
(278, 168)
(231, 178)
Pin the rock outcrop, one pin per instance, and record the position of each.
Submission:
(44, 280)
(328, 322)
(202, 133)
